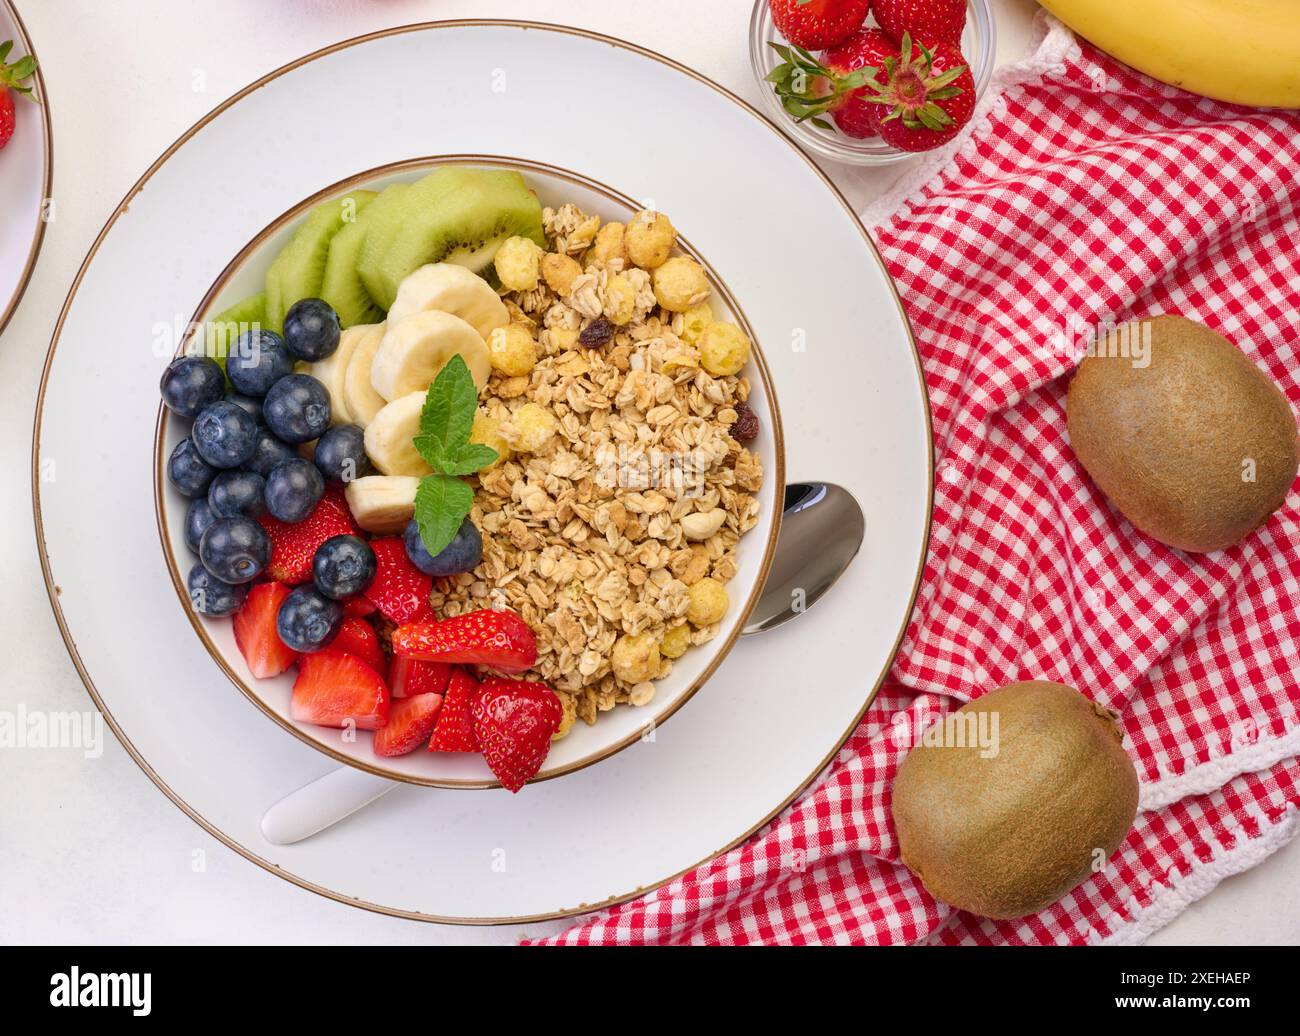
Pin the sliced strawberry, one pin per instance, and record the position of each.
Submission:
(410, 722)
(491, 637)
(408, 677)
(338, 690)
(266, 654)
(400, 590)
(358, 607)
(293, 546)
(455, 729)
(513, 724)
(357, 637)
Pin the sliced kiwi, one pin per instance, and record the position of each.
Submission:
(455, 214)
(341, 286)
(299, 270)
(229, 324)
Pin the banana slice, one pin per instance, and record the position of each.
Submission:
(416, 348)
(389, 437)
(359, 396)
(452, 289)
(382, 503)
(332, 370)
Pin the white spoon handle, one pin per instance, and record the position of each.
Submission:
(321, 804)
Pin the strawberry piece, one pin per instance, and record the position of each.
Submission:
(358, 638)
(818, 23)
(410, 722)
(455, 729)
(294, 545)
(513, 723)
(932, 21)
(12, 81)
(338, 690)
(358, 607)
(490, 637)
(255, 634)
(408, 677)
(400, 590)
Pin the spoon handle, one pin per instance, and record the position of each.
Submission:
(321, 804)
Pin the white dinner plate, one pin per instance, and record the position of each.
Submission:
(842, 364)
(26, 172)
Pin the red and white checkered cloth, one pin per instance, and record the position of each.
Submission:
(1083, 192)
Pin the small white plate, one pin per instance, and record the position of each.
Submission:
(26, 174)
(839, 353)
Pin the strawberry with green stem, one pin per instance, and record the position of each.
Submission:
(839, 86)
(12, 79)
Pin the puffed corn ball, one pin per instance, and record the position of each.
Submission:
(620, 300)
(511, 350)
(694, 322)
(486, 430)
(680, 284)
(708, 602)
(635, 657)
(675, 641)
(650, 239)
(609, 244)
(560, 271)
(570, 714)
(518, 262)
(724, 349)
(531, 428)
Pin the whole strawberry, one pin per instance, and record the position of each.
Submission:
(838, 85)
(927, 96)
(815, 24)
(934, 21)
(12, 78)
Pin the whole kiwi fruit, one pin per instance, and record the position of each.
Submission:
(1027, 792)
(1191, 441)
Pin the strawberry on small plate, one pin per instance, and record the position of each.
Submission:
(334, 689)
(818, 23)
(255, 633)
(930, 21)
(492, 637)
(410, 722)
(513, 724)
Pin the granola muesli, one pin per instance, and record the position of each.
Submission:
(610, 523)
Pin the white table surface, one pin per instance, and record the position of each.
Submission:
(90, 850)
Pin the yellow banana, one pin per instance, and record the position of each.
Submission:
(1240, 51)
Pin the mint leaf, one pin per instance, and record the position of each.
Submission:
(449, 409)
(467, 459)
(441, 504)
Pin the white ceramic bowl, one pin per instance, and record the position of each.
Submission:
(978, 43)
(585, 745)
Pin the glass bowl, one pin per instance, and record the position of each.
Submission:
(978, 43)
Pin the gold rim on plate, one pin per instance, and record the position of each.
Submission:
(720, 650)
(53, 594)
(38, 236)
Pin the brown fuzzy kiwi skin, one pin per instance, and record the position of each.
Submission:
(1008, 835)
(1166, 442)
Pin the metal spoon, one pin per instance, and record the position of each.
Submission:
(821, 531)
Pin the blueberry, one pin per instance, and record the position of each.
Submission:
(343, 566)
(252, 405)
(311, 329)
(187, 471)
(257, 360)
(460, 555)
(308, 620)
(224, 434)
(268, 451)
(297, 409)
(210, 596)
(235, 550)
(191, 383)
(233, 493)
(198, 516)
(341, 453)
(293, 489)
